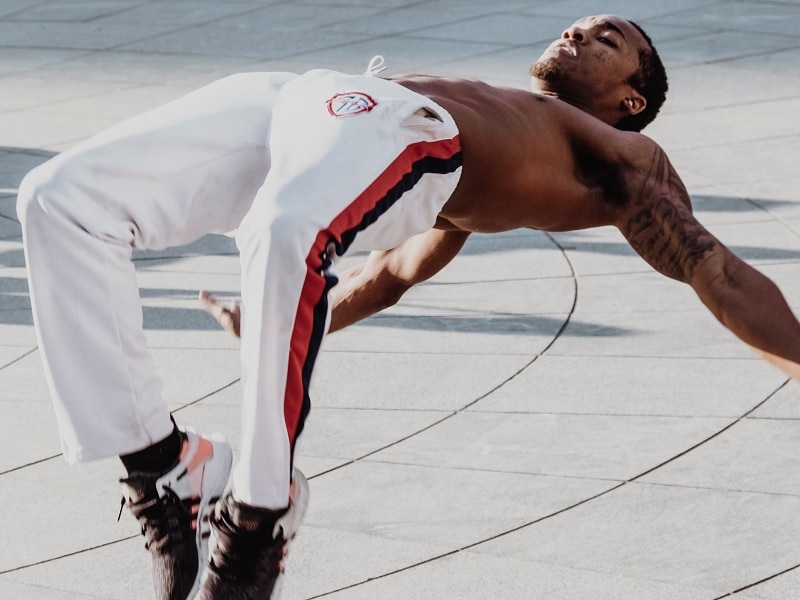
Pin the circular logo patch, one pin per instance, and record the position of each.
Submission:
(348, 104)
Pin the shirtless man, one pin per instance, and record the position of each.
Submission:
(459, 156)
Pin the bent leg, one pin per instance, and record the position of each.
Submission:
(165, 178)
(368, 180)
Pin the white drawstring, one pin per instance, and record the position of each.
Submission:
(376, 65)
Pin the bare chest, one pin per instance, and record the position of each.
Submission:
(513, 181)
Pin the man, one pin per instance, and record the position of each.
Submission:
(629, 101)
(458, 155)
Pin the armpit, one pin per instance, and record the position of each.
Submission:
(443, 224)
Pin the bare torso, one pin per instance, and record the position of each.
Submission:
(534, 161)
(520, 164)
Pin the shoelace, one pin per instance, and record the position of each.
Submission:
(243, 553)
(163, 520)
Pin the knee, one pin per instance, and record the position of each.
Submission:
(30, 196)
(53, 195)
(281, 231)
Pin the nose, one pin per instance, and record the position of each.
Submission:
(575, 33)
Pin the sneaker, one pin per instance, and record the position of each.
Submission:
(174, 508)
(251, 543)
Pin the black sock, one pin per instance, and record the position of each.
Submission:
(157, 458)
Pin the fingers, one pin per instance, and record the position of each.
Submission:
(211, 304)
(228, 317)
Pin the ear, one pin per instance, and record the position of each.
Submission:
(633, 103)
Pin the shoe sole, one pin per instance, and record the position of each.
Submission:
(299, 498)
(215, 478)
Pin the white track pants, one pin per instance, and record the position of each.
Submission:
(161, 179)
(368, 180)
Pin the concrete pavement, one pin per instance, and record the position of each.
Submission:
(547, 418)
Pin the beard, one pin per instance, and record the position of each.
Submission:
(545, 70)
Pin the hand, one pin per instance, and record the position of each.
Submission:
(228, 317)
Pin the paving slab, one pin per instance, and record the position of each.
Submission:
(23, 421)
(61, 527)
(698, 542)
(24, 378)
(777, 588)
(739, 460)
(410, 381)
(110, 572)
(470, 576)
(602, 447)
(481, 334)
(784, 404)
(655, 386)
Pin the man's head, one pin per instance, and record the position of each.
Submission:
(607, 66)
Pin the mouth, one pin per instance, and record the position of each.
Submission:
(568, 48)
(563, 46)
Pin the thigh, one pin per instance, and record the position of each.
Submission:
(184, 169)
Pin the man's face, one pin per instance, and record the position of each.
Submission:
(592, 60)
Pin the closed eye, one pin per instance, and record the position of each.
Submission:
(608, 42)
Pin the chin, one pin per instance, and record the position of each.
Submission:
(545, 70)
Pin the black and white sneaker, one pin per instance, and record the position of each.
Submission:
(173, 510)
(249, 546)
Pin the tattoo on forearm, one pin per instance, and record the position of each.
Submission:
(661, 227)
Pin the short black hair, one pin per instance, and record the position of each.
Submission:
(651, 82)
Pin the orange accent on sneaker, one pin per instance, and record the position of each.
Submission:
(205, 451)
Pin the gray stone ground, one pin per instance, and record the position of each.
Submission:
(546, 419)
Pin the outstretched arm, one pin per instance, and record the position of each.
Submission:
(383, 279)
(658, 222)
(372, 286)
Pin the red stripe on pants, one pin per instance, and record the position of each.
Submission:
(315, 283)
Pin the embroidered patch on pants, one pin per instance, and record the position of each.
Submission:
(348, 104)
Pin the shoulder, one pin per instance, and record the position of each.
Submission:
(591, 136)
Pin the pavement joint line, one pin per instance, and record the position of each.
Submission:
(469, 546)
(718, 433)
(548, 413)
(30, 464)
(443, 419)
(122, 46)
(789, 225)
(19, 358)
(54, 456)
(716, 489)
(744, 142)
(67, 555)
(576, 477)
(614, 480)
(208, 395)
(759, 582)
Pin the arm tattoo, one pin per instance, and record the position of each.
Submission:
(660, 225)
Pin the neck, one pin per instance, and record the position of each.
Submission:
(539, 87)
